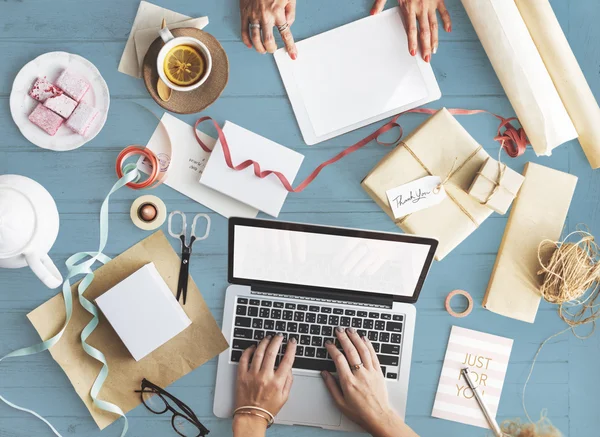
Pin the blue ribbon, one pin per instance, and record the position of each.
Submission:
(81, 264)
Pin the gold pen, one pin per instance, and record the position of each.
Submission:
(465, 372)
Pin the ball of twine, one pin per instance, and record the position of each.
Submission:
(543, 428)
(571, 275)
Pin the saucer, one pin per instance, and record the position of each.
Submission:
(50, 65)
(189, 102)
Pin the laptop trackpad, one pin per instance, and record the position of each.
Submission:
(310, 404)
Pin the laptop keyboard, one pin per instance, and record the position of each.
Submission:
(312, 325)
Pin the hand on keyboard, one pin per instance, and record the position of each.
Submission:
(259, 384)
(361, 392)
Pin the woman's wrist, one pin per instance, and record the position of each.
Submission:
(249, 425)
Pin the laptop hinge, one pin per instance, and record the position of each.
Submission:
(375, 300)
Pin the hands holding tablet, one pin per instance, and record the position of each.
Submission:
(259, 17)
(423, 12)
(359, 390)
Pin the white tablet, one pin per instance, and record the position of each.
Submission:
(355, 75)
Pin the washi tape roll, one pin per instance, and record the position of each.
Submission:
(148, 212)
(466, 312)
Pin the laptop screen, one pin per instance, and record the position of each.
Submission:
(334, 258)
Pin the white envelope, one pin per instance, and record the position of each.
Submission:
(355, 75)
(145, 37)
(187, 162)
(148, 16)
(266, 194)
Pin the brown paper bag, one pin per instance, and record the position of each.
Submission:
(439, 147)
(196, 345)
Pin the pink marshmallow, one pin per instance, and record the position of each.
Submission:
(72, 84)
(82, 118)
(46, 119)
(62, 105)
(42, 90)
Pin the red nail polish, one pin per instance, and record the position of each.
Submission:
(293, 56)
(413, 52)
(372, 11)
(427, 58)
(450, 28)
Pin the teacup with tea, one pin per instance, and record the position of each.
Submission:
(184, 63)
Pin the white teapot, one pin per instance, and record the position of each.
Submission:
(28, 227)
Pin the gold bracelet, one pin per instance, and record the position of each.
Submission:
(269, 420)
(252, 413)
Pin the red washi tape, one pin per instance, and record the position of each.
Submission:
(466, 312)
(130, 151)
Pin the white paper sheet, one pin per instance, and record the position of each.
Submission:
(187, 164)
(522, 72)
(266, 194)
(355, 75)
(143, 311)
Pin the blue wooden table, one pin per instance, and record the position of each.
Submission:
(566, 381)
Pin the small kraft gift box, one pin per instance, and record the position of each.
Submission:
(496, 185)
(439, 147)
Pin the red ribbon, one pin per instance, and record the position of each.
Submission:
(513, 141)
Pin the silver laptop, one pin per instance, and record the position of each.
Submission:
(304, 281)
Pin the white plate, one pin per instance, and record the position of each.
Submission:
(50, 65)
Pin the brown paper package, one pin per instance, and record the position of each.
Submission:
(436, 146)
(487, 180)
(196, 345)
(539, 213)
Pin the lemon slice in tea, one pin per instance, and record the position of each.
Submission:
(184, 65)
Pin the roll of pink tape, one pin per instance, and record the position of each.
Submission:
(466, 312)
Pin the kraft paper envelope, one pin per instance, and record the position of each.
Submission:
(538, 213)
(148, 15)
(439, 147)
(521, 70)
(196, 345)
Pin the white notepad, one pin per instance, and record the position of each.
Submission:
(355, 75)
(267, 194)
(143, 311)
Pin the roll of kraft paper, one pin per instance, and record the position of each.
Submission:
(522, 72)
(566, 74)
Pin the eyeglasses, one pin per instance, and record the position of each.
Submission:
(158, 401)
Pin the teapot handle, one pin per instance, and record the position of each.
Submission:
(44, 269)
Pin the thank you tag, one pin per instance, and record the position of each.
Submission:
(416, 195)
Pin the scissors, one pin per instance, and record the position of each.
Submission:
(186, 249)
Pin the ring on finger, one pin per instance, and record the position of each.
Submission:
(254, 25)
(356, 366)
(283, 27)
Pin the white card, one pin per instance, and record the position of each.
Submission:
(187, 164)
(416, 195)
(267, 194)
(487, 357)
(143, 311)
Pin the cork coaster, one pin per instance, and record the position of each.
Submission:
(189, 102)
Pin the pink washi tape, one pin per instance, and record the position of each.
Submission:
(466, 312)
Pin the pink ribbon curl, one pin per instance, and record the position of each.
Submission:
(513, 141)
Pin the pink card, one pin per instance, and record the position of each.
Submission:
(487, 357)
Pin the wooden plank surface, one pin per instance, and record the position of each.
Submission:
(565, 381)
